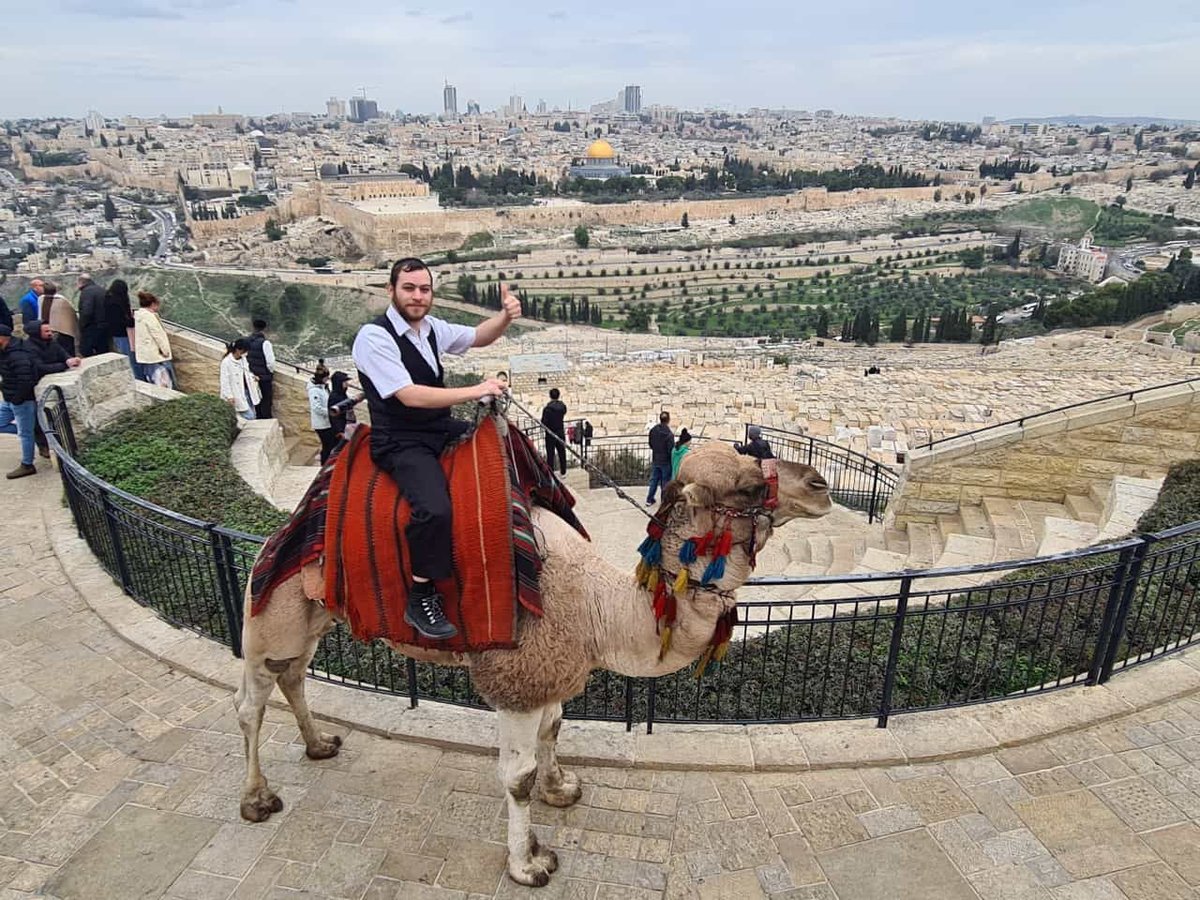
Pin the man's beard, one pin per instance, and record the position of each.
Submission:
(407, 317)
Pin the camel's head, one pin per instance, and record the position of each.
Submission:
(716, 484)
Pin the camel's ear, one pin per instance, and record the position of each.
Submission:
(697, 494)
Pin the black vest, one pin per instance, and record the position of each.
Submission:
(392, 419)
(256, 358)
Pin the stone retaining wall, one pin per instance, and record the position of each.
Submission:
(101, 389)
(1052, 455)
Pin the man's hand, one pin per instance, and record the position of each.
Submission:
(490, 387)
(73, 362)
(510, 303)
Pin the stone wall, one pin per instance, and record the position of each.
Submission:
(101, 389)
(197, 366)
(1052, 455)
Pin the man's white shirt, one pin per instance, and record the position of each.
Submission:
(377, 356)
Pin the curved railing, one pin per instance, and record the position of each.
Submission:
(806, 648)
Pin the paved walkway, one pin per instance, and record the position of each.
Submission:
(121, 779)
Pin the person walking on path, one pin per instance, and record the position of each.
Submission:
(682, 446)
(318, 410)
(662, 443)
(52, 358)
(151, 344)
(398, 357)
(118, 317)
(19, 375)
(93, 327)
(553, 414)
(262, 363)
(239, 387)
(64, 321)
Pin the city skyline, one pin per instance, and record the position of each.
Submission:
(926, 61)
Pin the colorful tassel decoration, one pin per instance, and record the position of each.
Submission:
(702, 662)
(725, 544)
(687, 552)
(642, 572)
(664, 643)
(715, 570)
(660, 601)
(704, 545)
(681, 582)
(652, 580)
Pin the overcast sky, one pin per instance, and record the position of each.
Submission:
(922, 59)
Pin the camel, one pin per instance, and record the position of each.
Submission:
(595, 616)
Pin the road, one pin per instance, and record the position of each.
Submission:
(166, 225)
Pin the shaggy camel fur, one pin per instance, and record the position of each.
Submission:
(596, 616)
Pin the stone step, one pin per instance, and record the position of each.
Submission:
(820, 550)
(896, 541)
(966, 550)
(847, 550)
(925, 545)
(1127, 499)
(948, 525)
(876, 560)
(975, 521)
(1082, 508)
(1063, 535)
(1036, 511)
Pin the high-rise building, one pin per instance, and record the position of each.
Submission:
(541, 107)
(363, 110)
(516, 106)
(335, 108)
(94, 122)
(632, 99)
(473, 107)
(450, 100)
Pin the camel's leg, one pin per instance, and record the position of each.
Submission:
(528, 862)
(317, 744)
(258, 680)
(559, 788)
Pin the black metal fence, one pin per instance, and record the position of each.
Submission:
(806, 648)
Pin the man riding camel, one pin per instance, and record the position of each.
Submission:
(399, 366)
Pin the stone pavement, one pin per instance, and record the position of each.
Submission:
(121, 778)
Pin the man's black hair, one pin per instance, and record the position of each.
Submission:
(259, 324)
(664, 417)
(553, 393)
(407, 264)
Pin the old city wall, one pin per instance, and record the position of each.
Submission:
(1053, 455)
(197, 366)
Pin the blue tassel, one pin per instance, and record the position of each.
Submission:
(687, 553)
(644, 546)
(654, 554)
(715, 571)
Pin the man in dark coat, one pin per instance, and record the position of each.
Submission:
(261, 359)
(756, 446)
(553, 414)
(662, 444)
(18, 377)
(52, 357)
(6, 316)
(93, 330)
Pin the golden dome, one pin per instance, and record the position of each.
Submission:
(600, 150)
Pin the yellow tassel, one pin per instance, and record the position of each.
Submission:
(664, 643)
(652, 580)
(642, 572)
(721, 650)
(681, 582)
(702, 663)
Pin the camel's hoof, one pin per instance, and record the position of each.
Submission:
(326, 748)
(259, 805)
(546, 858)
(567, 794)
(531, 874)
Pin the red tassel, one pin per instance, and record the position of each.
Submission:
(655, 529)
(660, 600)
(670, 609)
(725, 544)
(704, 544)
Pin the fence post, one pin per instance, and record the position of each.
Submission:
(651, 699)
(227, 582)
(1118, 628)
(874, 495)
(889, 674)
(410, 670)
(114, 536)
(1115, 593)
(810, 450)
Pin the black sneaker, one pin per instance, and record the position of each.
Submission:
(424, 613)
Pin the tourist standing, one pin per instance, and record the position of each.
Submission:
(64, 321)
(662, 443)
(341, 410)
(239, 387)
(151, 345)
(93, 328)
(18, 378)
(682, 446)
(118, 317)
(30, 302)
(52, 358)
(318, 410)
(262, 363)
(553, 414)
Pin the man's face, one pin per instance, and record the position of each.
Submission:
(45, 332)
(37, 287)
(412, 295)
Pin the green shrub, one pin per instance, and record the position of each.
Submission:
(176, 455)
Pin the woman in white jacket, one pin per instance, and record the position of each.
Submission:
(239, 387)
(318, 409)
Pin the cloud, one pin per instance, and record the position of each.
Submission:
(121, 9)
(458, 17)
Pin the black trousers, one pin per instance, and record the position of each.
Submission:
(94, 340)
(267, 387)
(415, 468)
(556, 446)
(328, 441)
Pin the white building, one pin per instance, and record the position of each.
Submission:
(1083, 260)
